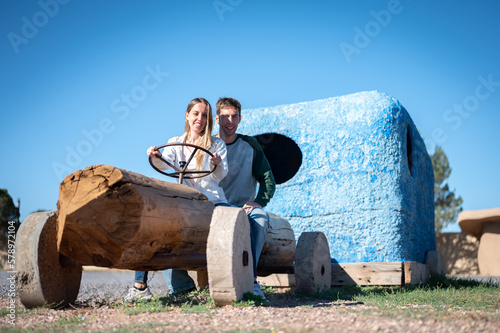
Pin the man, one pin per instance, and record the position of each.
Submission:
(248, 167)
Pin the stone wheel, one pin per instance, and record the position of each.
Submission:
(313, 267)
(44, 277)
(229, 256)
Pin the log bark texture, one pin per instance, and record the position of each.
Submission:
(114, 218)
(279, 248)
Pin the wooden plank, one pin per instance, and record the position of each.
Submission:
(367, 273)
(415, 273)
(363, 274)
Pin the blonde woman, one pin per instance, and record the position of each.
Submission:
(197, 131)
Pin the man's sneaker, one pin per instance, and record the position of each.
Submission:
(135, 294)
(258, 292)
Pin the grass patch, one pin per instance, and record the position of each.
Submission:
(200, 308)
(197, 301)
(152, 306)
(67, 322)
(63, 324)
(4, 312)
(146, 327)
(441, 297)
(249, 299)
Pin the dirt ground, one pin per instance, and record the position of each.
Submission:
(96, 310)
(312, 316)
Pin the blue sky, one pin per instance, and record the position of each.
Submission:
(97, 82)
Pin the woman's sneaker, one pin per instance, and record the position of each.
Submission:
(257, 291)
(135, 294)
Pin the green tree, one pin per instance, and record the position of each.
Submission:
(8, 212)
(447, 204)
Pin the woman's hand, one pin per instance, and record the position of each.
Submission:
(216, 159)
(153, 152)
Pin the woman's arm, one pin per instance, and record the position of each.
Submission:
(220, 172)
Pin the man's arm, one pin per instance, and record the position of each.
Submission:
(264, 175)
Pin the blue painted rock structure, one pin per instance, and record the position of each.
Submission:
(353, 167)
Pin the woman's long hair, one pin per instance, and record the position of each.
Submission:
(205, 140)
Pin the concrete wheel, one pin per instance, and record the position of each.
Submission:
(229, 255)
(44, 277)
(313, 266)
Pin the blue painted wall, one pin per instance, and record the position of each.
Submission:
(355, 183)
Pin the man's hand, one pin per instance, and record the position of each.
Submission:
(249, 206)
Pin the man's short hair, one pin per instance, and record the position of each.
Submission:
(228, 102)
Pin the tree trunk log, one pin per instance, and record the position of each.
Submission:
(114, 218)
(279, 248)
(110, 217)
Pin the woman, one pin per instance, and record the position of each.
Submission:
(197, 131)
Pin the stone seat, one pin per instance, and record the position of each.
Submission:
(485, 225)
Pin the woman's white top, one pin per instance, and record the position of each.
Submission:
(208, 185)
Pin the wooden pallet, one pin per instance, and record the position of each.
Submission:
(371, 273)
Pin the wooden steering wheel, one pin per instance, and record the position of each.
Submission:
(181, 172)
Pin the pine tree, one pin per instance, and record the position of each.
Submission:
(447, 204)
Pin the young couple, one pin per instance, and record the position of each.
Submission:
(241, 166)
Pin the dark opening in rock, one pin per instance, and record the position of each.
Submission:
(283, 154)
(409, 150)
